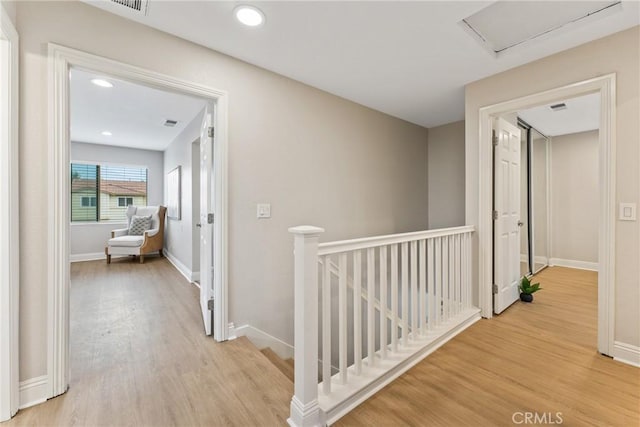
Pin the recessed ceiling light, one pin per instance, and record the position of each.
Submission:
(249, 15)
(106, 133)
(101, 82)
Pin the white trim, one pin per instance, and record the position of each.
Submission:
(571, 263)
(179, 265)
(606, 86)
(61, 59)
(626, 353)
(261, 339)
(9, 218)
(33, 391)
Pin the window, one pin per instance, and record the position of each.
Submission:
(125, 201)
(88, 202)
(103, 192)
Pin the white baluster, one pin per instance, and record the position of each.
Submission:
(445, 278)
(383, 302)
(431, 287)
(423, 287)
(458, 270)
(414, 289)
(394, 297)
(357, 311)
(326, 326)
(371, 313)
(304, 404)
(438, 281)
(405, 292)
(342, 317)
(468, 270)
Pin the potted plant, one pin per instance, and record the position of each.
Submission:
(527, 289)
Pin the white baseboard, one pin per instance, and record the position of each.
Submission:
(582, 265)
(261, 339)
(183, 269)
(537, 259)
(626, 353)
(33, 391)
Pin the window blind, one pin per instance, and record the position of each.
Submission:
(103, 192)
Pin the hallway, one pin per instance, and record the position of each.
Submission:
(139, 356)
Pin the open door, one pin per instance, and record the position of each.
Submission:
(506, 215)
(206, 219)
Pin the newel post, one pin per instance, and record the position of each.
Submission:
(305, 411)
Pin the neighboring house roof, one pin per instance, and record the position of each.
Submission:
(111, 187)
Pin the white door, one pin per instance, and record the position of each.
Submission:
(507, 223)
(206, 219)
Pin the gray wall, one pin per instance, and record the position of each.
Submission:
(91, 238)
(318, 159)
(179, 232)
(619, 54)
(574, 192)
(446, 175)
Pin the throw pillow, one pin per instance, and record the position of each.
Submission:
(139, 224)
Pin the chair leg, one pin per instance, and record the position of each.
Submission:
(141, 259)
(108, 259)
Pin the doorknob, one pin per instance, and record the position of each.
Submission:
(520, 223)
(198, 225)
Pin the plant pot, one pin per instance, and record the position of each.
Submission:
(526, 297)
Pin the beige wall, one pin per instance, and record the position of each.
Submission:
(574, 192)
(446, 175)
(316, 158)
(618, 53)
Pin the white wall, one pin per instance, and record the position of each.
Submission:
(179, 232)
(318, 159)
(446, 175)
(574, 192)
(620, 54)
(89, 239)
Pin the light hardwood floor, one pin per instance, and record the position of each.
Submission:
(139, 357)
(534, 357)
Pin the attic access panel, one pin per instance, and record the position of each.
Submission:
(505, 24)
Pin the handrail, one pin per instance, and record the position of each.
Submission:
(330, 248)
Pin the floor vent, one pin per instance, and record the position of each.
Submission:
(139, 6)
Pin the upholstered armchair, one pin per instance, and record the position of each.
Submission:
(135, 241)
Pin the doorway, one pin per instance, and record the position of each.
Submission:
(605, 87)
(62, 60)
(9, 243)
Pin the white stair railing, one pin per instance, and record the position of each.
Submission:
(418, 288)
(335, 270)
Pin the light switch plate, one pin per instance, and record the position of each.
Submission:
(627, 212)
(264, 210)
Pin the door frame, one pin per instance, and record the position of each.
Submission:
(606, 86)
(61, 59)
(9, 219)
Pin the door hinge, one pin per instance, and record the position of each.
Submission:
(495, 141)
(495, 215)
(210, 218)
(210, 304)
(211, 132)
(495, 288)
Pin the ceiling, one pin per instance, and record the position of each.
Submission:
(408, 59)
(134, 114)
(582, 114)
